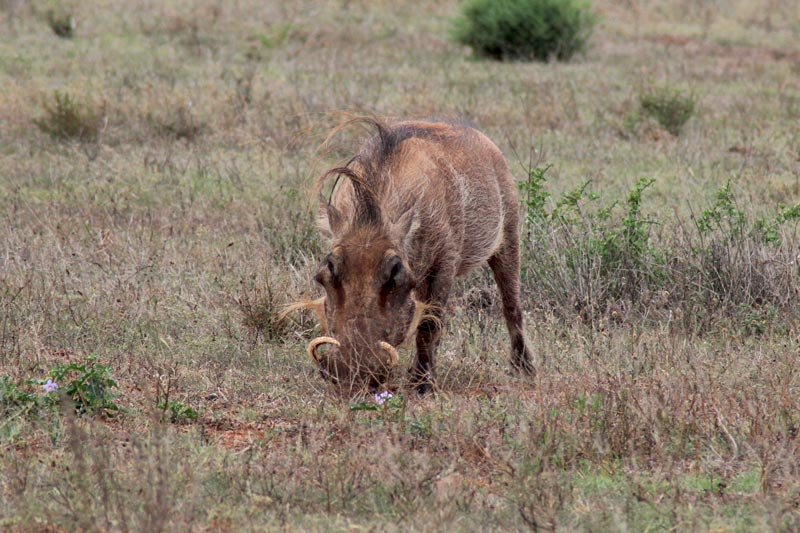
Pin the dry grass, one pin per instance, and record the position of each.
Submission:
(166, 245)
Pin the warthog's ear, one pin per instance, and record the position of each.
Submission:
(329, 219)
(402, 230)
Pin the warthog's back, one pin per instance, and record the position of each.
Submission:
(455, 179)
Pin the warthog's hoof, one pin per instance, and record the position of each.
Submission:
(423, 388)
(422, 382)
(524, 365)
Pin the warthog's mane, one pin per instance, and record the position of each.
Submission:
(367, 171)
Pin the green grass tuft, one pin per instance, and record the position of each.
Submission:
(671, 108)
(67, 118)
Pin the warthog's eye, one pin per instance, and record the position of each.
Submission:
(393, 273)
(326, 272)
(396, 270)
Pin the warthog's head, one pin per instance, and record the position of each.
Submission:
(372, 221)
(368, 308)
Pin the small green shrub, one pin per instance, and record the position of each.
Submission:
(66, 118)
(533, 194)
(740, 264)
(671, 108)
(12, 396)
(586, 256)
(88, 385)
(179, 412)
(25, 403)
(768, 229)
(722, 215)
(525, 29)
(597, 260)
(62, 23)
(85, 385)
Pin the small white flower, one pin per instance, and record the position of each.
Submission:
(382, 397)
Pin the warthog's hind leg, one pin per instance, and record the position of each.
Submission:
(505, 266)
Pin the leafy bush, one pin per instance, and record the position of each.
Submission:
(66, 118)
(671, 108)
(12, 396)
(525, 29)
(62, 23)
(179, 412)
(584, 256)
(737, 264)
(600, 262)
(88, 385)
(26, 402)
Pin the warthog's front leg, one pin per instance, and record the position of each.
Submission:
(435, 290)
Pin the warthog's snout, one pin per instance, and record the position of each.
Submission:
(341, 361)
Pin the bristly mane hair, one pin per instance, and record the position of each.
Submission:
(367, 170)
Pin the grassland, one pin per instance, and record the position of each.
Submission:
(164, 234)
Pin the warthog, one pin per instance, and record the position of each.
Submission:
(420, 204)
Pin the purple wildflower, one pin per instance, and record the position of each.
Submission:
(50, 386)
(382, 397)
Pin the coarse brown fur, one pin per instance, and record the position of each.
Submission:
(420, 204)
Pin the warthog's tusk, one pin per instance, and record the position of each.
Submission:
(315, 343)
(393, 358)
